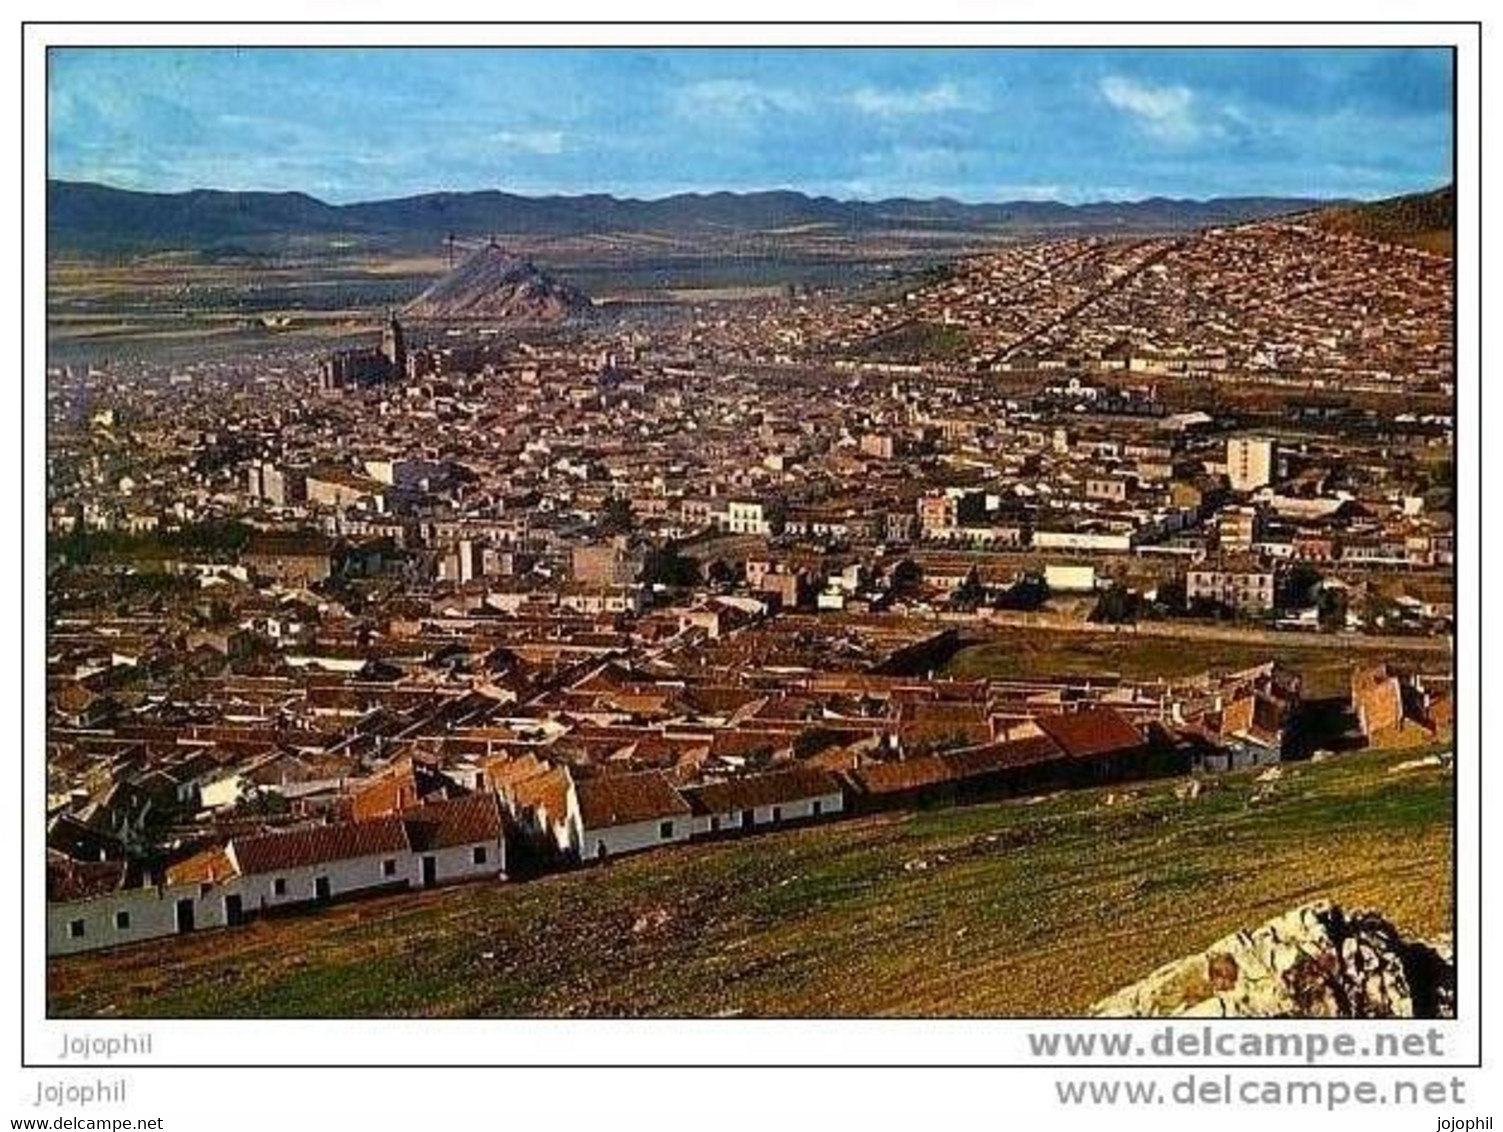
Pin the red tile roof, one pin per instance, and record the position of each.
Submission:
(622, 799)
(1003, 756)
(209, 865)
(395, 787)
(908, 774)
(796, 784)
(385, 794)
(1090, 733)
(503, 771)
(745, 741)
(454, 821)
(547, 791)
(320, 845)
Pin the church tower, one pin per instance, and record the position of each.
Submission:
(394, 347)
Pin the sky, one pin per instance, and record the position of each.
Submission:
(976, 125)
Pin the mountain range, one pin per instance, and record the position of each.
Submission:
(84, 217)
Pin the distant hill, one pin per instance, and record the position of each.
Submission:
(81, 214)
(1418, 220)
(492, 284)
(84, 217)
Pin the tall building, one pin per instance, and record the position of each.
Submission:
(1238, 528)
(364, 367)
(1250, 462)
(464, 562)
(279, 487)
(394, 347)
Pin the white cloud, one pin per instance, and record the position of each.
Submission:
(1164, 112)
(736, 99)
(1028, 191)
(907, 103)
(741, 100)
(546, 142)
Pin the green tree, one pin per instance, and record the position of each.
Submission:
(1117, 605)
(905, 579)
(616, 516)
(1029, 592)
(666, 565)
(1302, 584)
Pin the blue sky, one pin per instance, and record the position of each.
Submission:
(1076, 124)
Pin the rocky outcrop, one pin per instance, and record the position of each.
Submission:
(493, 285)
(1315, 961)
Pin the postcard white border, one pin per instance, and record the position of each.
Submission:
(804, 1042)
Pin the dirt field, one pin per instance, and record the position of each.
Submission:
(1011, 909)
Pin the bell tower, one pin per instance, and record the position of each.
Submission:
(394, 346)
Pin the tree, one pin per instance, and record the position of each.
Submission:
(905, 579)
(720, 573)
(1117, 605)
(967, 596)
(1209, 607)
(1333, 608)
(1302, 584)
(1029, 592)
(666, 565)
(255, 802)
(1379, 611)
(616, 516)
(1171, 595)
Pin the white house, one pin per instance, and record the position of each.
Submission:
(1065, 578)
(438, 842)
(796, 794)
(622, 813)
(124, 916)
(311, 865)
(456, 839)
(747, 517)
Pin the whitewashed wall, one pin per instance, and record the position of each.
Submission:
(632, 837)
(457, 863)
(153, 911)
(801, 809)
(354, 875)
